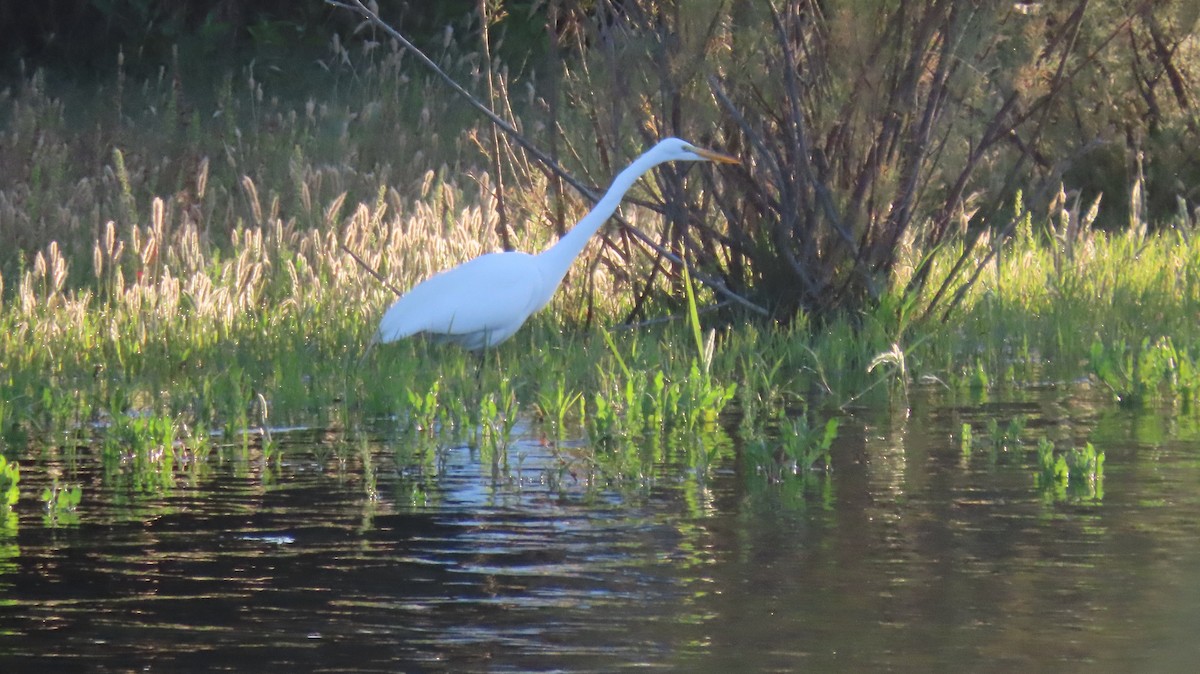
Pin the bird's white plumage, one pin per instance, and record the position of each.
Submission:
(484, 301)
(478, 303)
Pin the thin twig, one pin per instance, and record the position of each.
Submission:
(673, 317)
(362, 263)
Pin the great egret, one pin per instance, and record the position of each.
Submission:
(484, 301)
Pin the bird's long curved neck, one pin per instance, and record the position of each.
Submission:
(557, 259)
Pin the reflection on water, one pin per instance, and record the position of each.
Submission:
(911, 556)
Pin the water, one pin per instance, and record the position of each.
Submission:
(910, 556)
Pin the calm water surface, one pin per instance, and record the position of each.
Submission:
(910, 556)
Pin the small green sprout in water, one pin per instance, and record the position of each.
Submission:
(1085, 468)
(978, 379)
(423, 409)
(999, 439)
(1004, 438)
(702, 400)
(1076, 475)
(270, 449)
(554, 408)
(603, 423)
(806, 446)
(61, 502)
(761, 395)
(1052, 468)
(497, 418)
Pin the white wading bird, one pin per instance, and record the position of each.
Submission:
(484, 301)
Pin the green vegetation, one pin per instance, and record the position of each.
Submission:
(1000, 440)
(10, 477)
(1157, 370)
(177, 271)
(61, 502)
(1076, 475)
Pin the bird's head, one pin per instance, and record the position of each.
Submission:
(675, 149)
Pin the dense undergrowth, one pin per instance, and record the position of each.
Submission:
(204, 297)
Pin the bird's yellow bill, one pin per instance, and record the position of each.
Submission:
(715, 156)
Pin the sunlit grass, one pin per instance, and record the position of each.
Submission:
(1038, 315)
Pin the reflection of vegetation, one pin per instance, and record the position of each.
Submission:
(1000, 439)
(10, 476)
(370, 483)
(966, 439)
(1006, 437)
(775, 484)
(146, 450)
(1076, 475)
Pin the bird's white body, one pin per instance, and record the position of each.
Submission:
(484, 301)
(479, 303)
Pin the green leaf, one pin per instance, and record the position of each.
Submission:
(693, 314)
(831, 432)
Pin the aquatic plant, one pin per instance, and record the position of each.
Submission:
(1002, 438)
(806, 446)
(61, 502)
(10, 478)
(498, 415)
(1077, 474)
(1155, 370)
(554, 408)
(145, 451)
(643, 396)
(1086, 464)
(423, 410)
(793, 449)
(1052, 468)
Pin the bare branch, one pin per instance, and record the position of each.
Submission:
(370, 270)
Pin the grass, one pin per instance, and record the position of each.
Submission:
(1039, 317)
(186, 302)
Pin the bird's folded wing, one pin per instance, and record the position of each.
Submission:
(493, 293)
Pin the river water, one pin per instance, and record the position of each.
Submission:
(909, 556)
